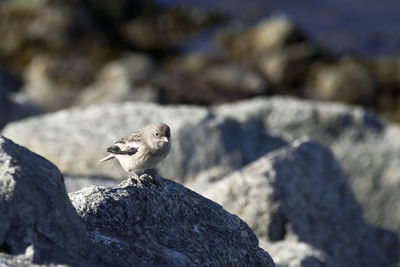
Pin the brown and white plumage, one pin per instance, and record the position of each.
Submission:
(142, 149)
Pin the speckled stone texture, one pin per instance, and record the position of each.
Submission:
(36, 217)
(163, 222)
(367, 147)
(301, 193)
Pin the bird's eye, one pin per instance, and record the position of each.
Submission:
(156, 134)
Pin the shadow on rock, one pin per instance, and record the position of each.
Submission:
(301, 193)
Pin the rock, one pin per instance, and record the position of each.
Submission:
(347, 81)
(59, 29)
(300, 192)
(200, 79)
(273, 32)
(37, 219)
(167, 29)
(236, 76)
(18, 19)
(367, 147)
(386, 69)
(165, 223)
(54, 83)
(269, 34)
(127, 77)
(295, 254)
(192, 62)
(57, 47)
(286, 68)
(200, 141)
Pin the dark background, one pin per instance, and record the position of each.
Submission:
(56, 54)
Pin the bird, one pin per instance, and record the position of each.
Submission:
(142, 149)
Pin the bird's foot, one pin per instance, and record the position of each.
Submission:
(133, 176)
(145, 177)
(152, 175)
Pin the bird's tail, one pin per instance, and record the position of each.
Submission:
(105, 159)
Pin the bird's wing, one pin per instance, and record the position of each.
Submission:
(124, 148)
(127, 145)
(134, 137)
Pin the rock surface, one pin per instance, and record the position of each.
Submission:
(165, 223)
(135, 223)
(301, 193)
(37, 218)
(367, 148)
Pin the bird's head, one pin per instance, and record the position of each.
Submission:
(158, 136)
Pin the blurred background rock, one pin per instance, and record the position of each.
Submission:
(81, 52)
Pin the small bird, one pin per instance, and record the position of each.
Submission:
(142, 149)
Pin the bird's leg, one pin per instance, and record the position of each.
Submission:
(152, 174)
(133, 174)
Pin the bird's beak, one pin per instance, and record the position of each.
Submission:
(165, 139)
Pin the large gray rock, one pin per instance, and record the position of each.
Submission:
(76, 139)
(36, 217)
(301, 193)
(367, 148)
(166, 223)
